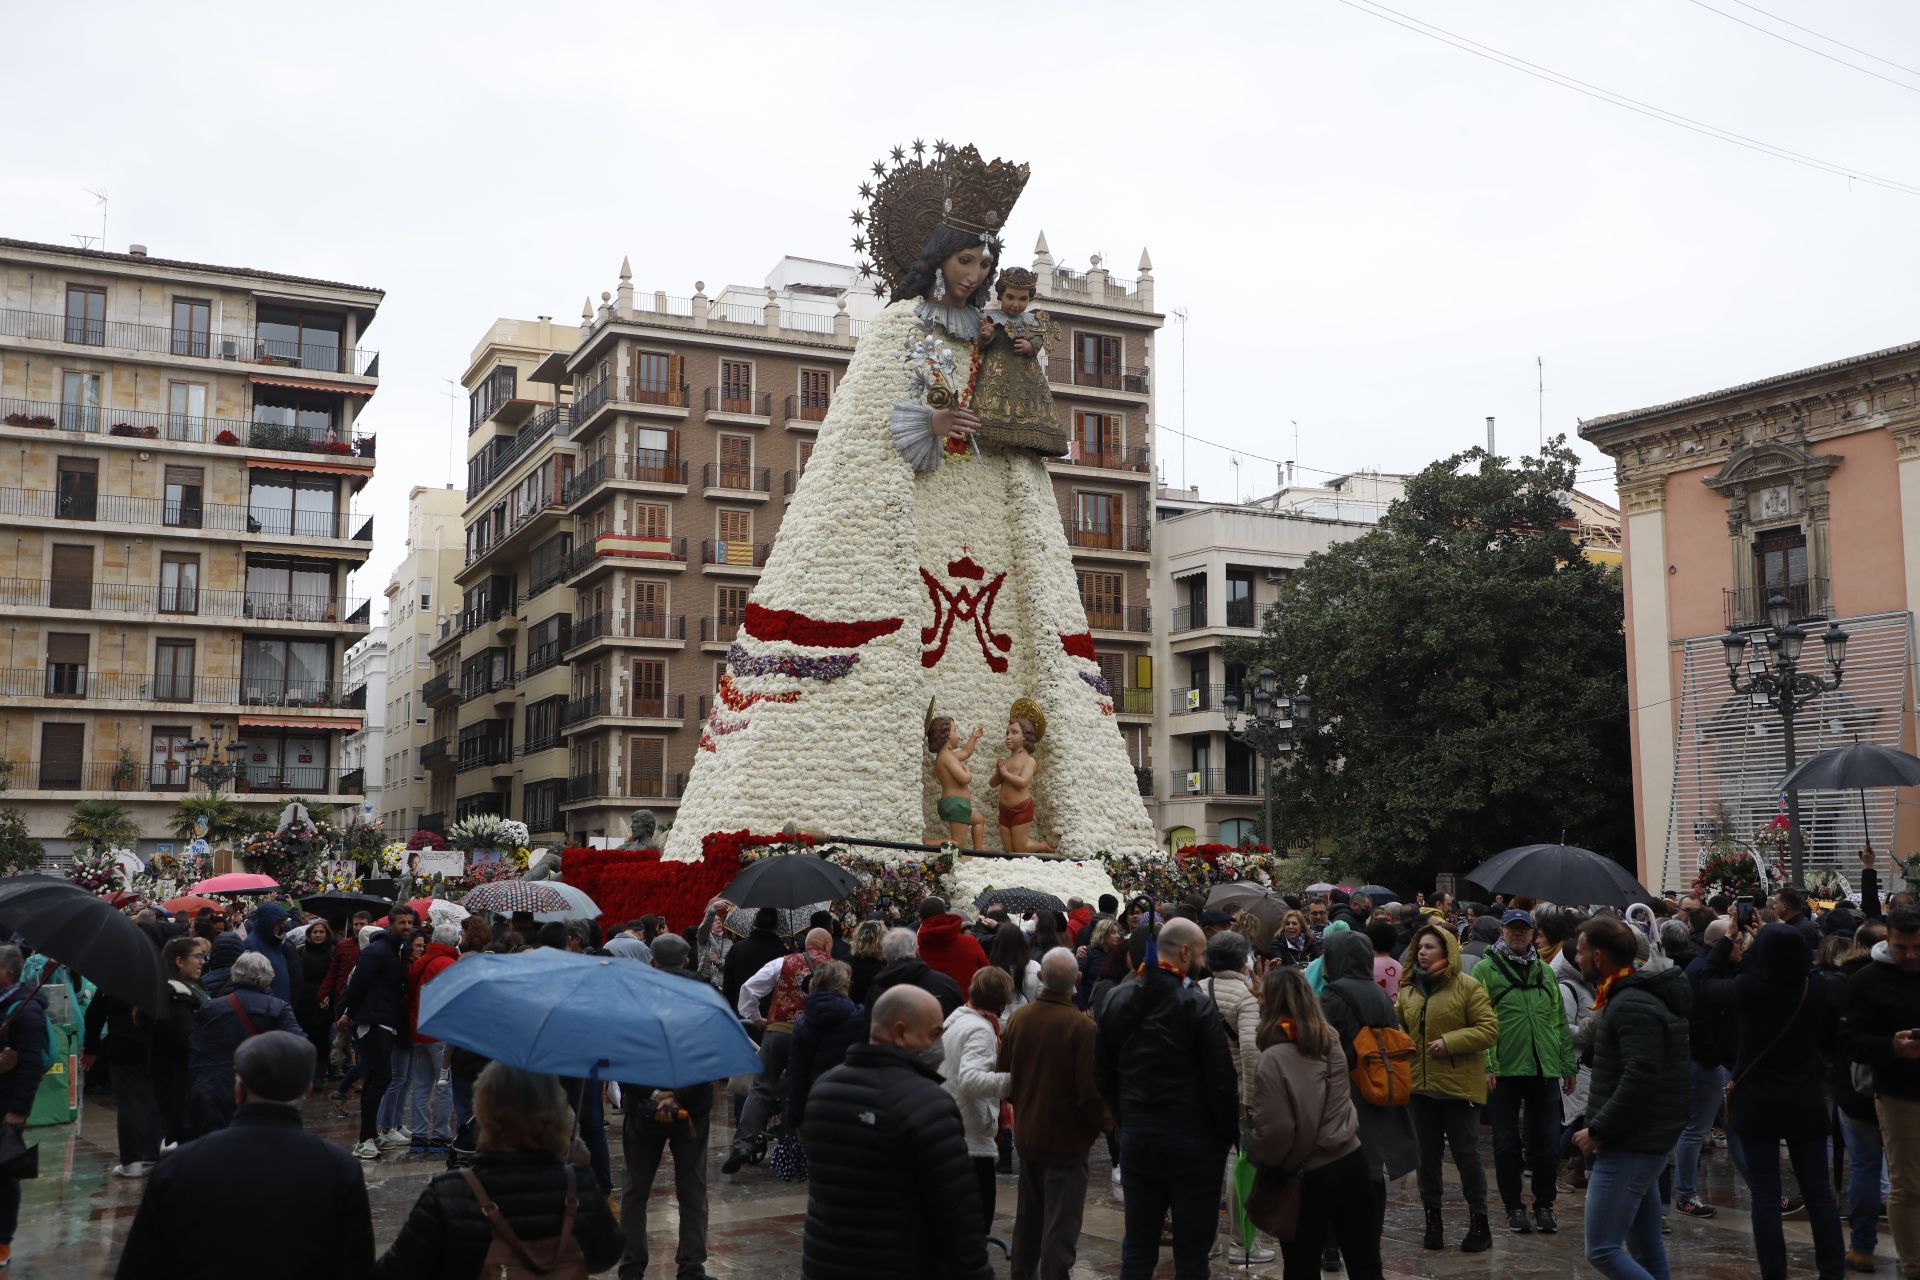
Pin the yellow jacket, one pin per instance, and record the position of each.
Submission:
(1457, 1012)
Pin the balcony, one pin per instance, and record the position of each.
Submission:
(807, 412)
(722, 631)
(646, 466)
(1135, 458)
(733, 480)
(354, 781)
(439, 691)
(74, 683)
(178, 428)
(628, 550)
(159, 513)
(545, 656)
(107, 776)
(482, 685)
(159, 339)
(552, 500)
(534, 746)
(1808, 601)
(733, 554)
(643, 624)
(1133, 702)
(1203, 697)
(1242, 613)
(1136, 619)
(742, 411)
(644, 395)
(1144, 778)
(480, 753)
(1065, 372)
(201, 602)
(498, 399)
(356, 698)
(1217, 782)
(1128, 538)
(487, 613)
(550, 422)
(1189, 618)
(592, 706)
(434, 753)
(605, 786)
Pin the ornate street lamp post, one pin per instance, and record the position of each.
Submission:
(1771, 676)
(1268, 731)
(215, 763)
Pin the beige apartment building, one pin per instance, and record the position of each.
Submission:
(180, 461)
(416, 607)
(626, 480)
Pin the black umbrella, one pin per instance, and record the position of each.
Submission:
(1559, 873)
(1855, 768)
(1019, 902)
(789, 880)
(338, 906)
(1378, 894)
(84, 932)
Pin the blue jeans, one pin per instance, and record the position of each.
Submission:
(1164, 1170)
(462, 1102)
(1867, 1187)
(1809, 1156)
(1705, 1087)
(1623, 1215)
(429, 1102)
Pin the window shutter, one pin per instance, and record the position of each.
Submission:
(66, 649)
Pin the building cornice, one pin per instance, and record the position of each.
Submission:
(1643, 497)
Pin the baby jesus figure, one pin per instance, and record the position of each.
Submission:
(1014, 776)
(1011, 396)
(950, 770)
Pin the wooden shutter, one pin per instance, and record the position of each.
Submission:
(1113, 667)
(650, 519)
(736, 526)
(72, 577)
(1100, 593)
(816, 393)
(62, 747)
(646, 766)
(806, 455)
(66, 648)
(649, 687)
(649, 610)
(733, 604)
(736, 386)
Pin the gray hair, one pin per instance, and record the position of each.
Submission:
(1059, 971)
(1674, 933)
(1227, 952)
(447, 934)
(252, 970)
(11, 961)
(670, 951)
(899, 944)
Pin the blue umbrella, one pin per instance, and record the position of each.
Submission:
(576, 1015)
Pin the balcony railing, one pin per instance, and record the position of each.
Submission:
(1135, 618)
(808, 408)
(81, 684)
(204, 602)
(1115, 458)
(726, 475)
(605, 786)
(1112, 537)
(648, 466)
(162, 513)
(719, 630)
(1201, 697)
(482, 685)
(1242, 613)
(181, 428)
(160, 339)
(487, 613)
(748, 406)
(641, 624)
(667, 706)
(1216, 782)
(1133, 702)
(1111, 377)
(1808, 601)
(547, 655)
(158, 775)
(619, 390)
(745, 555)
(438, 688)
(354, 781)
(635, 552)
(546, 742)
(583, 708)
(1189, 618)
(485, 469)
(478, 753)
(433, 753)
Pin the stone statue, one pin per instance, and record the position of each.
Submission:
(641, 824)
(543, 864)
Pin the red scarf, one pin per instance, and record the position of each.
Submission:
(1606, 985)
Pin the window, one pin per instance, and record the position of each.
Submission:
(650, 520)
(67, 665)
(1202, 759)
(1240, 610)
(1240, 779)
(1103, 596)
(72, 585)
(285, 672)
(543, 723)
(192, 318)
(77, 496)
(179, 583)
(656, 455)
(649, 687)
(816, 394)
(736, 386)
(546, 640)
(494, 390)
(1096, 520)
(736, 538)
(288, 419)
(540, 805)
(187, 411)
(649, 610)
(1193, 612)
(1238, 831)
(1113, 669)
(656, 378)
(731, 603)
(305, 339)
(1096, 360)
(1098, 440)
(646, 767)
(488, 742)
(805, 455)
(286, 763)
(173, 671)
(736, 462)
(62, 750)
(86, 314)
(1780, 564)
(1199, 667)
(183, 486)
(167, 758)
(292, 590)
(79, 402)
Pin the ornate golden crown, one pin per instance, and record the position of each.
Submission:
(1018, 278)
(917, 196)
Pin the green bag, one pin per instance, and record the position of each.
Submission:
(57, 1100)
(1239, 1187)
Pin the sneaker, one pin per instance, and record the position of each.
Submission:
(368, 1150)
(1858, 1261)
(736, 1156)
(1793, 1207)
(1330, 1258)
(167, 1146)
(138, 1169)
(1693, 1208)
(1543, 1220)
(6, 1256)
(1666, 1225)
(1517, 1222)
(1115, 1176)
(1249, 1257)
(395, 1138)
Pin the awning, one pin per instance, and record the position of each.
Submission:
(335, 467)
(300, 722)
(261, 379)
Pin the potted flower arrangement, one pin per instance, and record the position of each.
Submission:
(226, 437)
(95, 870)
(15, 419)
(426, 840)
(126, 770)
(42, 420)
(339, 447)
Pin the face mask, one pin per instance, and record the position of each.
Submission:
(933, 1055)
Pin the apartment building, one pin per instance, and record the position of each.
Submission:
(363, 752)
(183, 454)
(654, 498)
(417, 615)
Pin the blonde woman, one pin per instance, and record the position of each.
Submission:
(1294, 944)
(867, 959)
(1304, 1126)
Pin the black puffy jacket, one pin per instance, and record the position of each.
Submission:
(446, 1236)
(1883, 999)
(1160, 1058)
(376, 994)
(1639, 1099)
(891, 1190)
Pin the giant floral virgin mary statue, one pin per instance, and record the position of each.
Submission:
(922, 563)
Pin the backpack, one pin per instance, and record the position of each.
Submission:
(508, 1258)
(1383, 1066)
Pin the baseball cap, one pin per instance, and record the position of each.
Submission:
(1516, 916)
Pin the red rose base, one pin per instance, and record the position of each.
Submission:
(630, 883)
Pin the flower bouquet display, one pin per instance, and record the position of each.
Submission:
(95, 870)
(1741, 869)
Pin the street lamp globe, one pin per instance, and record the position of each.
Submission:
(1791, 641)
(1734, 645)
(1231, 702)
(1779, 612)
(1302, 706)
(1835, 641)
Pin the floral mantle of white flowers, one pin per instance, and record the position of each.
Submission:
(1061, 877)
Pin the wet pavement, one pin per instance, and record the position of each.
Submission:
(74, 1218)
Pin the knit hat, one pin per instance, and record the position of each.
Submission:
(276, 1066)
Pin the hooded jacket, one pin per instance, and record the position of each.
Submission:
(26, 1036)
(1779, 1070)
(1576, 1004)
(915, 972)
(1882, 998)
(376, 994)
(972, 1045)
(1351, 1001)
(1639, 1101)
(1484, 932)
(1455, 1009)
(1534, 1040)
(826, 1029)
(1317, 969)
(437, 958)
(946, 945)
(226, 949)
(263, 936)
(219, 1027)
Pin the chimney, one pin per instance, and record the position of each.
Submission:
(1489, 433)
(136, 251)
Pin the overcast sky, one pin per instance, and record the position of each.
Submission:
(1373, 234)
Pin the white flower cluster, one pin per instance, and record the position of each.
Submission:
(970, 877)
(487, 831)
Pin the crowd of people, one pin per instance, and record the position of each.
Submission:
(1326, 1050)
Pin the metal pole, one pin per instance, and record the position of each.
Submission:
(1796, 845)
(1266, 796)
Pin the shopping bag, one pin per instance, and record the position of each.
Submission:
(789, 1159)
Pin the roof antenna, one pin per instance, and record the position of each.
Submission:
(86, 241)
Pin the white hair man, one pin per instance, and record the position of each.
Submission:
(218, 1032)
(900, 949)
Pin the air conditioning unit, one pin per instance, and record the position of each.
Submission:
(1275, 576)
(1193, 699)
(1193, 783)
(229, 349)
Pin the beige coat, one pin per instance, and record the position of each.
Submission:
(1234, 997)
(1303, 1114)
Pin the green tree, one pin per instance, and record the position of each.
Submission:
(102, 824)
(18, 850)
(225, 818)
(1468, 671)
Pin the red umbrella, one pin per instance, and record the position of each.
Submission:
(235, 882)
(190, 904)
(121, 898)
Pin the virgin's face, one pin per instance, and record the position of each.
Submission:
(966, 271)
(1014, 301)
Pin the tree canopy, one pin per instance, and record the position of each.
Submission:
(1468, 672)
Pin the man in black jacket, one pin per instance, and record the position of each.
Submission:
(1880, 1026)
(891, 1190)
(283, 1194)
(1162, 1065)
(659, 1121)
(375, 1006)
(749, 955)
(25, 1041)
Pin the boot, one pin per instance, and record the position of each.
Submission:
(1435, 1237)
(1479, 1235)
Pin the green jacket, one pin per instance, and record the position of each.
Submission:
(1639, 1096)
(1534, 1040)
(1457, 1012)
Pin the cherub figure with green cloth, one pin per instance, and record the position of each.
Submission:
(956, 808)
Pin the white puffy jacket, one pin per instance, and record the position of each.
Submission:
(972, 1049)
